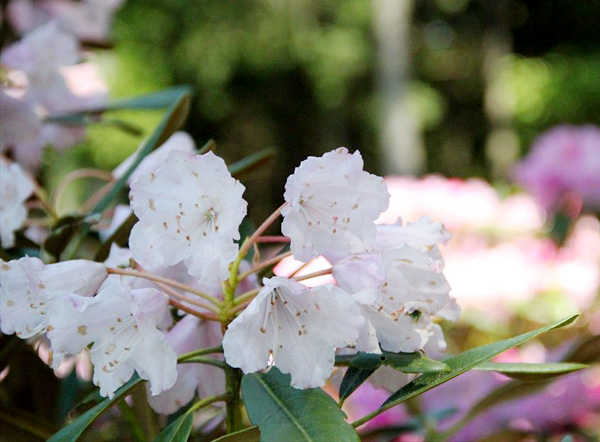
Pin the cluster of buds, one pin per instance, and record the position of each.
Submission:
(186, 277)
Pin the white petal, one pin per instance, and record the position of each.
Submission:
(290, 326)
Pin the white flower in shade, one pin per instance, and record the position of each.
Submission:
(332, 205)
(189, 210)
(30, 290)
(398, 291)
(190, 334)
(180, 141)
(121, 324)
(295, 329)
(15, 188)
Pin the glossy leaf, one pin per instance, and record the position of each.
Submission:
(251, 434)
(72, 431)
(179, 430)
(531, 372)
(462, 363)
(353, 379)
(286, 413)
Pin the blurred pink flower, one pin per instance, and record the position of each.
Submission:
(88, 20)
(563, 160)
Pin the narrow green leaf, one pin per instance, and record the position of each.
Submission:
(179, 430)
(72, 431)
(250, 162)
(353, 379)
(404, 362)
(86, 120)
(251, 434)
(466, 361)
(286, 413)
(531, 372)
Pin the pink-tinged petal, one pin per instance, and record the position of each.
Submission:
(290, 327)
(332, 205)
(422, 235)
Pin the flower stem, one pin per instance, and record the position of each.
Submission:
(273, 239)
(191, 311)
(264, 264)
(312, 275)
(246, 296)
(199, 352)
(233, 381)
(207, 401)
(207, 361)
(76, 175)
(165, 281)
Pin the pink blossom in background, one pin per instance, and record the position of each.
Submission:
(88, 20)
(498, 256)
(563, 160)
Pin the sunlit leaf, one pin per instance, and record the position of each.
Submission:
(284, 413)
(464, 362)
(531, 372)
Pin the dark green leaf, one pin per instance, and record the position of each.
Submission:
(61, 233)
(586, 351)
(250, 162)
(531, 372)
(353, 379)
(251, 434)
(72, 431)
(286, 413)
(86, 120)
(466, 361)
(179, 430)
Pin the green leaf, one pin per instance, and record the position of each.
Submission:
(61, 233)
(286, 413)
(466, 361)
(404, 362)
(72, 431)
(179, 430)
(353, 379)
(251, 434)
(531, 372)
(250, 162)
(586, 351)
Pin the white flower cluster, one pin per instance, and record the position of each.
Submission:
(389, 281)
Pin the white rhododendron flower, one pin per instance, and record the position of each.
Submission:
(121, 324)
(180, 141)
(15, 188)
(332, 205)
(423, 234)
(189, 210)
(295, 329)
(399, 290)
(30, 290)
(190, 334)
